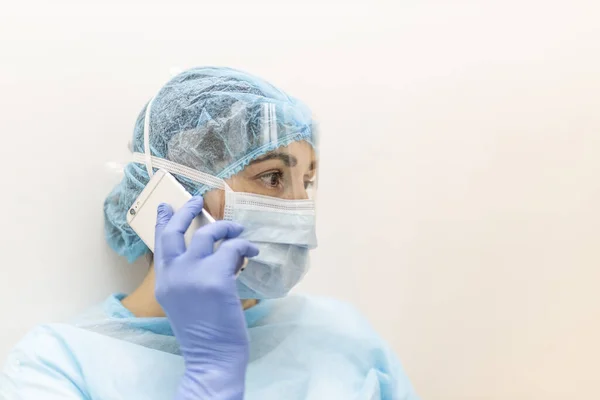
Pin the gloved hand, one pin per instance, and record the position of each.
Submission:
(196, 288)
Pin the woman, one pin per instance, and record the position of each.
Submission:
(247, 151)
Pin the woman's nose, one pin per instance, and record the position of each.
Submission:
(297, 191)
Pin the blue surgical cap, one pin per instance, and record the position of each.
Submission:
(214, 120)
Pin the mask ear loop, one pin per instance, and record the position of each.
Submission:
(147, 151)
(229, 202)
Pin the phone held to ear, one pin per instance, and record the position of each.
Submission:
(162, 188)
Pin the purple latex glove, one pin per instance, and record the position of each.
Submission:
(196, 288)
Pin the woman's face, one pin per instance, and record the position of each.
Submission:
(287, 173)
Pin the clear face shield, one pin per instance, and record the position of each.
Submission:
(267, 183)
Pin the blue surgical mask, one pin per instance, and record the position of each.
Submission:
(284, 231)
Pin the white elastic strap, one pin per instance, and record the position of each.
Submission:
(269, 123)
(147, 153)
(178, 169)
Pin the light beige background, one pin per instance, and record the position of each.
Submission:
(458, 206)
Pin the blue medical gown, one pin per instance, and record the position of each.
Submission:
(301, 348)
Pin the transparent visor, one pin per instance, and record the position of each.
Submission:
(274, 146)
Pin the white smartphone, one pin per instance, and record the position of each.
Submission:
(162, 188)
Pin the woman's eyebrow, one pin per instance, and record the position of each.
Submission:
(287, 159)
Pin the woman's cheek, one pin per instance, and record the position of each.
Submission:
(214, 203)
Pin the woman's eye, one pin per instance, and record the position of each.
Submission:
(272, 179)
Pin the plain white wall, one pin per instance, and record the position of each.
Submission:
(459, 183)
